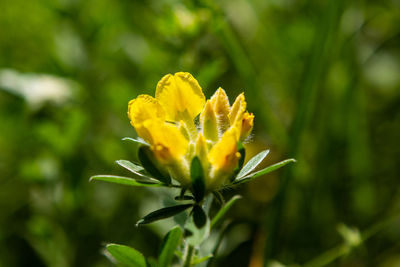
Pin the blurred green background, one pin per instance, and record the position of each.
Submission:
(322, 78)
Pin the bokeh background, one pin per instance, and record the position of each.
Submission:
(322, 78)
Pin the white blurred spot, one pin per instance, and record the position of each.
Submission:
(36, 88)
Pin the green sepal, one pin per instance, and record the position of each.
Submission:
(149, 163)
(168, 247)
(163, 213)
(199, 216)
(197, 175)
(126, 255)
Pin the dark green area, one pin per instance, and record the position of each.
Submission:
(321, 77)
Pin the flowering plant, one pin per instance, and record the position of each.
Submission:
(190, 143)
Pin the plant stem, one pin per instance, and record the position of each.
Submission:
(188, 257)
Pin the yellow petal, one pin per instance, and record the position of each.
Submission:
(208, 122)
(238, 109)
(220, 103)
(247, 125)
(180, 95)
(224, 156)
(143, 108)
(167, 142)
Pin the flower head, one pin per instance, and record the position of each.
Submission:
(167, 124)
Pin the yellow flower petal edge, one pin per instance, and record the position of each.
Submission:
(180, 95)
(143, 108)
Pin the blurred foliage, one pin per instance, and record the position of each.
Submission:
(322, 78)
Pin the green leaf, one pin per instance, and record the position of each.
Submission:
(168, 247)
(198, 183)
(130, 166)
(199, 216)
(163, 213)
(138, 141)
(184, 198)
(252, 163)
(148, 162)
(125, 180)
(196, 260)
(264, 171)
(126, 255)
(224, 210)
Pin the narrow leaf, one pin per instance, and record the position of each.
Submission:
(224, 210)
(125, 180)
(138, 141)
(199, 216)
(264, 171)
(126, 255)
(198, 183)
(168, 247)
(184, 198)
(196, 261)
(163, 213)
(130, 166)
(252, 163)
(147, 160)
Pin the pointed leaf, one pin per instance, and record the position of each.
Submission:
(130, 166)
(224, 210)
(168, 247)
(197, 175)
(199, 216)
(252, 163)
(134, 168)
(264, 171)
(126, 255)
(196, 260)
(125, 180)
(148, 162)
(138, 141)
(184, 198)
(163, 213)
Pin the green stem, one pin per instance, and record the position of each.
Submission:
(188, 257)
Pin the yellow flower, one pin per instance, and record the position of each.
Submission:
(167, 124)
(180, 95)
